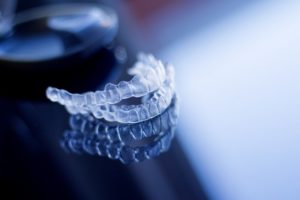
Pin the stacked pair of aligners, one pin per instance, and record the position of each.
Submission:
(152, 81)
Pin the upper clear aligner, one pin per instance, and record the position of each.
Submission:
(150, 77)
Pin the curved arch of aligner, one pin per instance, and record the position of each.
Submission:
(148, 75)
(93, 136)
(124, 132)
(77, 142)
(149, 108)
(159, 101)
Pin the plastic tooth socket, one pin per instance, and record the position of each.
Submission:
(102, 108)
(72, 110)
(153, 82)
(155, 64)
(127, 155)
(153, 150)
(133, 116)
(75, 146)
(147, 129)
(109, 116)
(102, 146)
(159, 75)
(88, 127)
(78, 99)
(139, 86)
(76, 110)
(153, 109)
(98, 114)
(124, 89)
(145, 99)
(124, 134)
(65, 97)
(113, 150)
(128, 107)
(136, 131)
(122, 115)
(52, 94)
(76, 122)
(138, 111)
(100, 97)
(140, 154)
(64, 142)
(112, 94)
(94, 144)
(144, 113)
(89, 145)
(101, 130)
(75, 143)
(162, 104)
(156, 125)
(112, 108)
(113, 134)
(90, 98)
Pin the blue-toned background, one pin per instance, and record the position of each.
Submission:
(238, 76)
(239, 79)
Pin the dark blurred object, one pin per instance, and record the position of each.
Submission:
(7, 11)
(57, 45)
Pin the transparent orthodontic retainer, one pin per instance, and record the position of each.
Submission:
(152, 80)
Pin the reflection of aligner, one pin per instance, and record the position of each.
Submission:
(78, 142)
(129, 143)
(150, 76)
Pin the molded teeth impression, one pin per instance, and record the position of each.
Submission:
(152, 81)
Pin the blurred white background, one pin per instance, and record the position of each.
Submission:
(239, 81)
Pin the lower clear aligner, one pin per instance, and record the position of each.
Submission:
(126, 133)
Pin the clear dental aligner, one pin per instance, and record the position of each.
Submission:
(77, 142)
(148, 109)
(87, 124)
(148, 75)
(153, 106)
